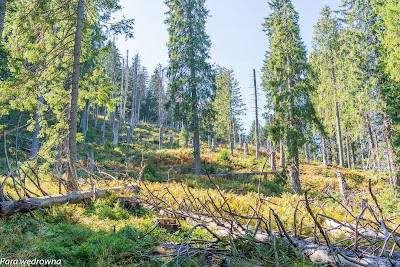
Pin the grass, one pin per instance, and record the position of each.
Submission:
(84, 235)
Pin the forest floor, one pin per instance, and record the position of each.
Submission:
(103, 233)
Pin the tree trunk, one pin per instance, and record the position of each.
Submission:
(36, 132)
(103, 127)
(282, 154)
(246, 148)
(371, 145)
(273, 160)
(8, 208)
(339, 135)
(295, 174)
(171, 142)
(213, 145)
(240, 141)
(324, 154)
(342, 187)
(209, 140)
(307, 152)
(116, 128)
(83, 122)
(256, 139)
(3, 8)
(126, 87)
(230, 148)
(73, 109)
(96, 116)
(187, 137)
(177, 142)
(353, 156)
(121, 98)
(234, 136)
(160, 137)
(393, 168)
(348, 150)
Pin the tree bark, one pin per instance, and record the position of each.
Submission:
(36, 132)
(160, 137)
(209, 140)
(307, 152)
(3, 8)
(282, 154)
(273, 160)
(8, 208)
(295, 174)
(393, 168)
(171, 142)
(348, 150)
(324, 152)
(213, 145)
(256, 139)
(246, 148)
(103, 127)
(73, 110)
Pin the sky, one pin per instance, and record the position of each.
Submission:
(236, 32)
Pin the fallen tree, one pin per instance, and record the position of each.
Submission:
(8, 208)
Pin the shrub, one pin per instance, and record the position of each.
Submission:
(223, 156)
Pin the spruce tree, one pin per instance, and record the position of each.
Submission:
(285, 82)
(189, 72)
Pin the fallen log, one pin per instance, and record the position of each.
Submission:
(243, 174)
(8, 208)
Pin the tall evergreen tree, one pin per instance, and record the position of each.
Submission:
(228, 104)
(325, 59)
(189, 71)
(285, 82)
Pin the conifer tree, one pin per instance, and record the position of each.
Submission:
(228, 105)
(285, 82)
(189, 72)
(325, 60)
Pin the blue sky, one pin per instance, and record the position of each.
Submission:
(235, 29)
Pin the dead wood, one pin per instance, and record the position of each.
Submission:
(8, 208)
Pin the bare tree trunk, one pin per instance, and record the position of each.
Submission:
(273, 160)
(246, 148)
(342, 187)
(394, 171)
(160, 137)
(213, 145)
(177, 142)
(234, 135)
(73, 109)
(256, 139)
(171, 142)
(324, 154)
(187, 137)
(209, 140)
(307, 152)
(282, 154)
(126, 87)
(295, 174)
(36, 132)
(353, 156)
(103, 127)
(240, 141)
(348, 150)
(83, 122)
(371, 145)
(3, 8)
(96, 116)
(121, 99)
(339, 132)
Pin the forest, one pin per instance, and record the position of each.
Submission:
(105, 162)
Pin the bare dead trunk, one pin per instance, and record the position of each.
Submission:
(295, 174)
(213, 145)
(9, 208)
(171, 142)
(73, 109)
(307, 152)
(246, 148)
(273, 160)
(324, 152)
(36, 132)
(160, 137)
(256, 139)
(348, 150)
(282, 154)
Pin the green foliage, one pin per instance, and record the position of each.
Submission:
(223, 156)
